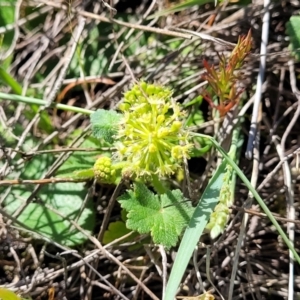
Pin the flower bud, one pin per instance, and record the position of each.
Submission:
(176, 126)
(104, 171)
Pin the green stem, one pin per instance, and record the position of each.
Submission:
(30, 100)
(255, 194)
(158, 186)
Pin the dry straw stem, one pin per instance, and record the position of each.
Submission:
(111, 20)
(52, 274)
(50, 173)
(67, 60)
(105, 252)
(38, 181)
(102, 249)
(59, 150)
(262, 215)
(291, 214)
(260, 80)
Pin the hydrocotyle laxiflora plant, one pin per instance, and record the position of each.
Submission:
(151, 144)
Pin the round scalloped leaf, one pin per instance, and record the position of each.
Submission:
(67, 199)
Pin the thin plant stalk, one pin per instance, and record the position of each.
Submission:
(30, 100)
(255, 194)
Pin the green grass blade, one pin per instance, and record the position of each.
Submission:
(195, 229)
(256, 196)
(10, 81)
(202, 214)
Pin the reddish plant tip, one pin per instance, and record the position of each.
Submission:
(223, 80)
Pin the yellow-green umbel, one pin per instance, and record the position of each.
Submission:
(104, 172)
(151, 137)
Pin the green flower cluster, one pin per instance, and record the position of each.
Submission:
(139, 95)
(104, 171)
(151, 136)
(221, 213)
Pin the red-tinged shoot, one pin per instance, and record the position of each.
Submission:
(223, 79)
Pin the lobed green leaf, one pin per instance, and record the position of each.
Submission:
(163, 216)
(105, 124)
